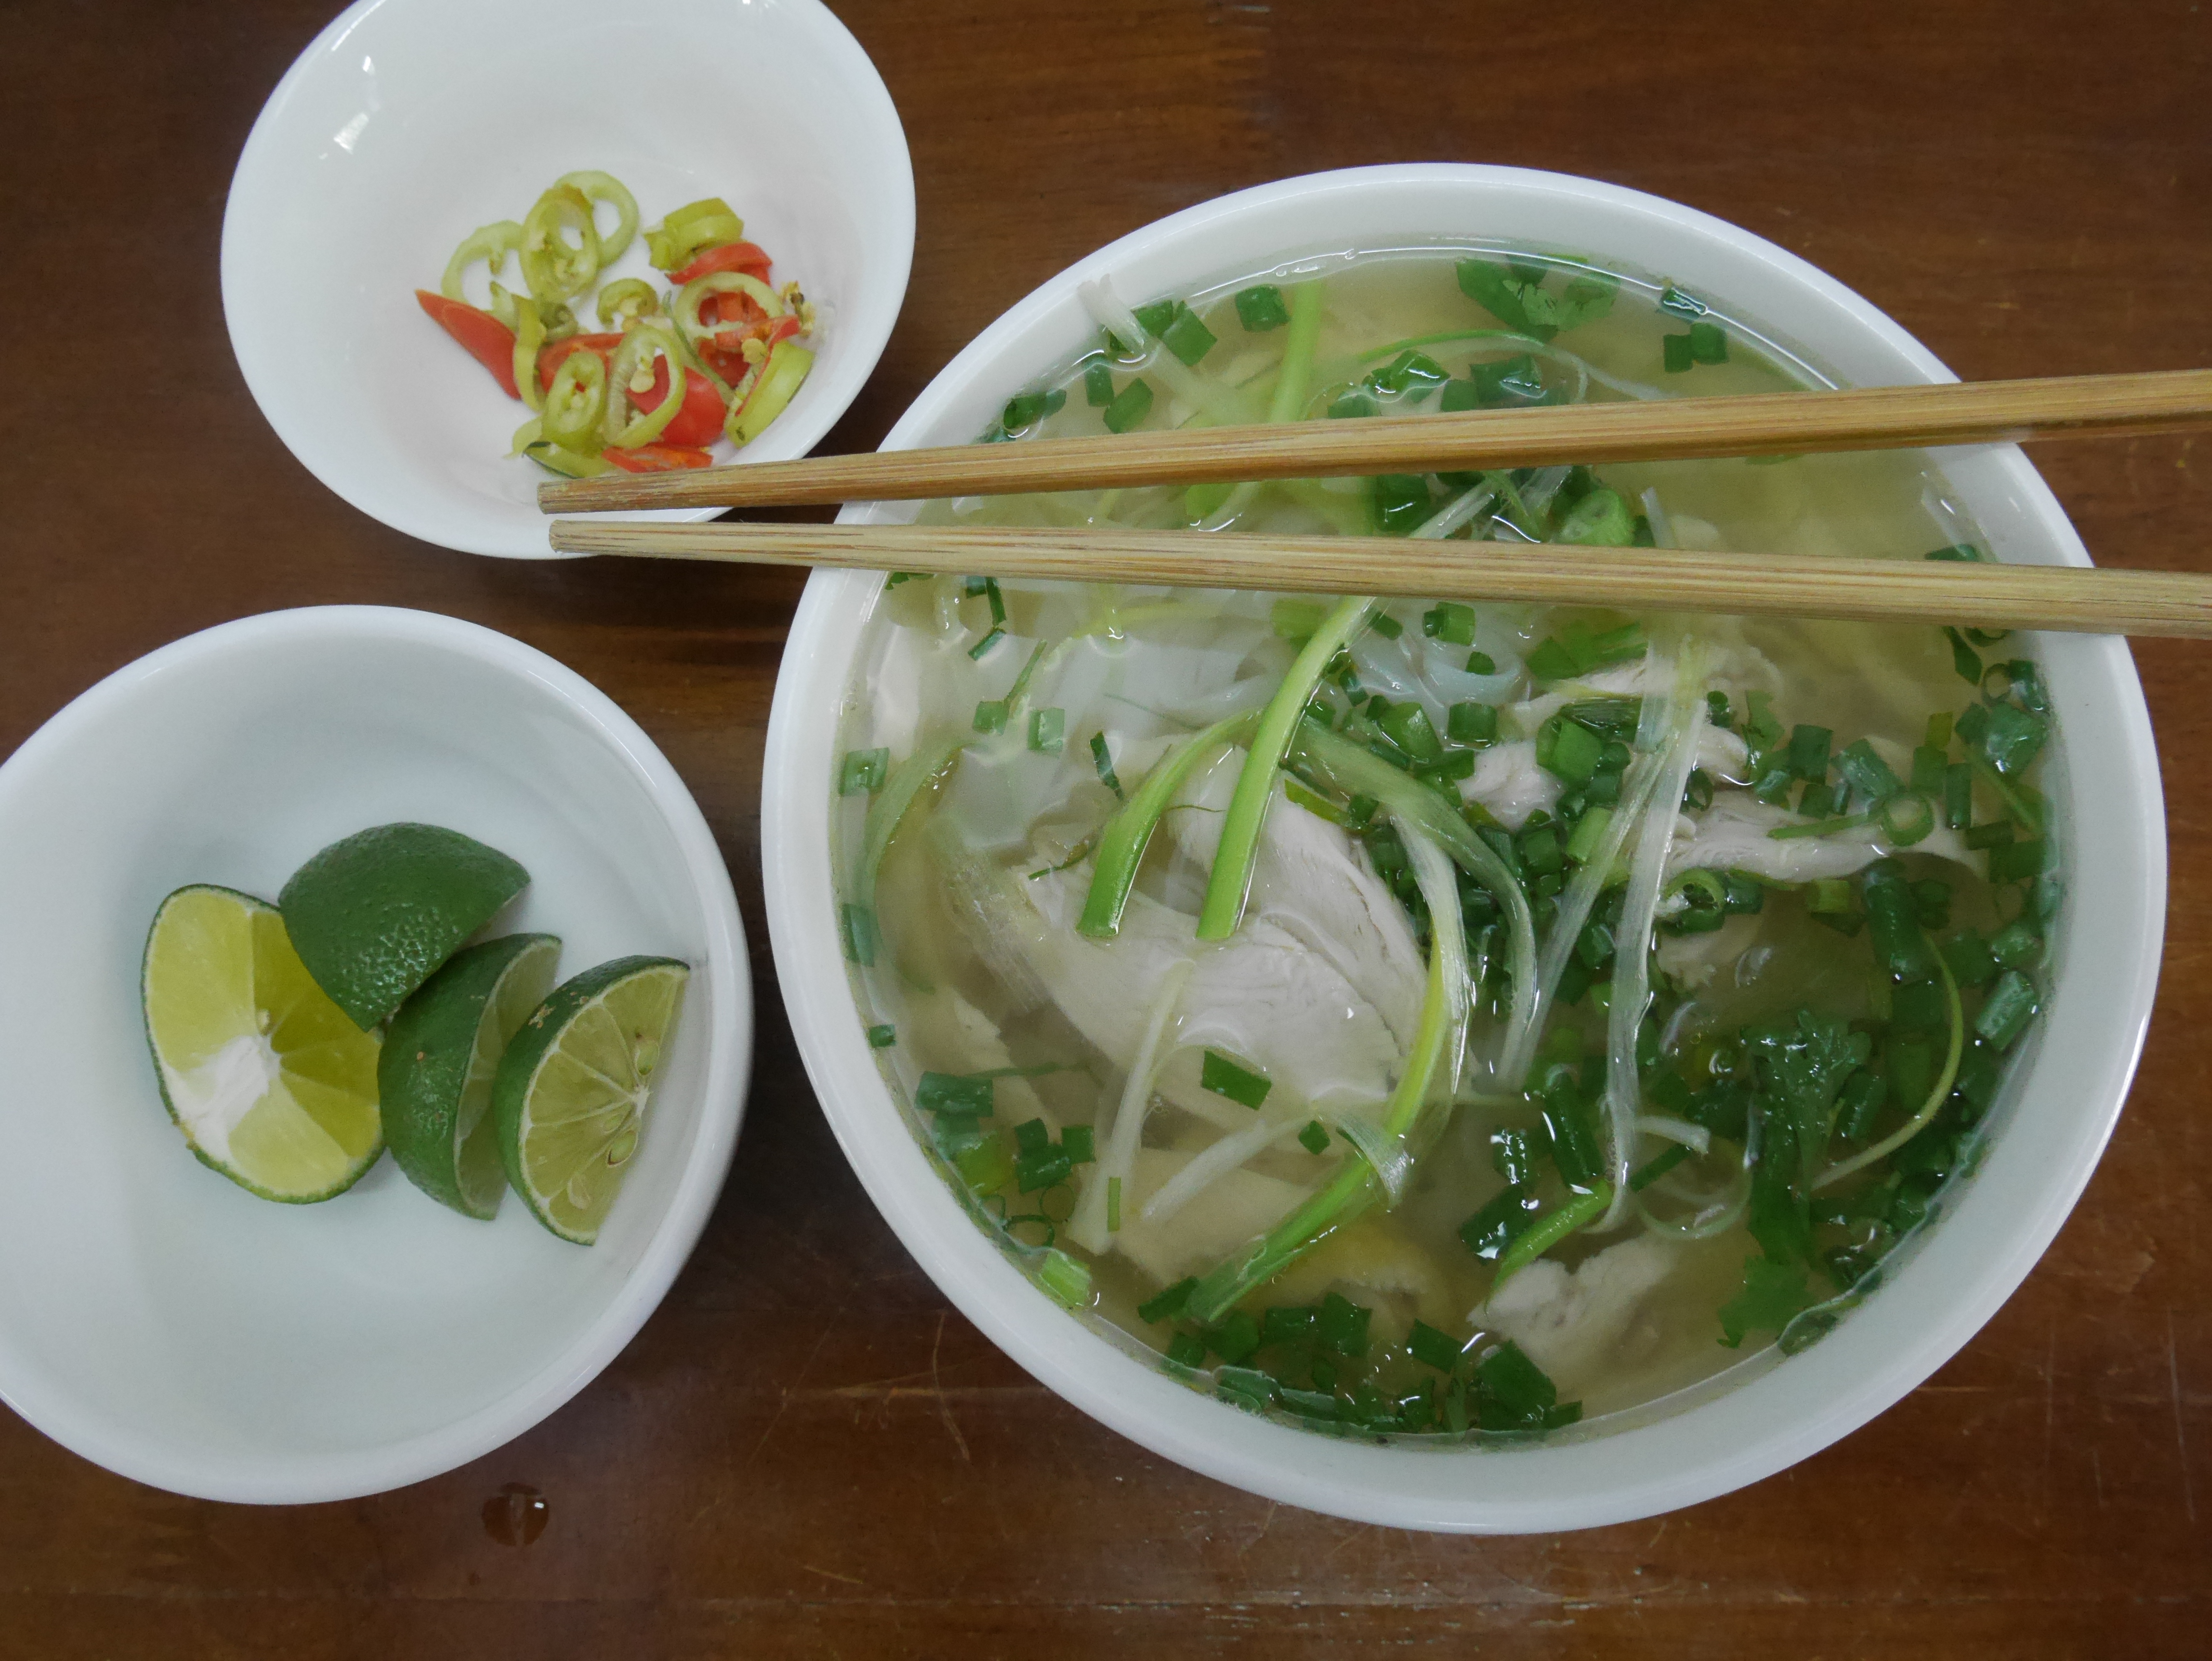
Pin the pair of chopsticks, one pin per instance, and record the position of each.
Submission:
(2163, 603)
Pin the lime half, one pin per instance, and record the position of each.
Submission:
(373, 916)
(440, 1054)
(270, 1081)
(572, 1091)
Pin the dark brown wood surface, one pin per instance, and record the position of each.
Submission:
(804, 1453)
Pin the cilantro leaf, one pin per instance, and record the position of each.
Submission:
(1517, 296)
(1801, 1067)
(1772, 1292)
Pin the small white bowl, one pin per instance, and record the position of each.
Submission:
(407, 123)
(165, 1323)
(1767, 1413)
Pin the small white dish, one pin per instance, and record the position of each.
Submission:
(407, 123)
(1767, 1413)
(165, 1323)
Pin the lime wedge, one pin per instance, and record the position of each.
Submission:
(440, 1054)
(571, 1093)
(270, 1081)
(373, 916)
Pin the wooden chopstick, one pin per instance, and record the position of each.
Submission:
(1770, 424)
(1992, 596)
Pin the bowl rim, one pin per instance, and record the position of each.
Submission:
(299, 1479)
(261, 355)
(1554, 1487)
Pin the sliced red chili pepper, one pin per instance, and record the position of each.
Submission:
(657, 458)
(726, 257)
(480, 334)
(700, 420)
(550, 359)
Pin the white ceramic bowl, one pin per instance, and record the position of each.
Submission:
(1762, 1415)
(409, 123)
(162, 1321)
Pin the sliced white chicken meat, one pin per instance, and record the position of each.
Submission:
(1240, 1206)
(1734, 835)
(1579, 1324)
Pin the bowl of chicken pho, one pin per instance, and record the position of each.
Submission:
(1464, 1065)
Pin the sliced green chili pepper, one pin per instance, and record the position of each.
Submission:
(694, 294)
(576, 401)
(605, 187)
(529, 336)
(625, 299)
(559, 322)
(706, 223)
(555, 267)
(559, 458)
(788, 365)
(632, 374)
(489, 243)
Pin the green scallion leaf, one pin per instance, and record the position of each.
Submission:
(1102, 759)
(1047, 731)
(1260, 307)
(1078, 1141)
(882, 1038)
(983, 646)
(1129, 406)
(1224, 1077)
(863, 769)
(1431, 1347)
(1450, 622)
(1314, 1138)
(991, 715)
(856, 927)
(1166, 1305)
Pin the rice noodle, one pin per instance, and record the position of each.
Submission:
(1201, 392)
(1087, 1224)
(1693, 1136)
(1632, 942)
(1215, 1162)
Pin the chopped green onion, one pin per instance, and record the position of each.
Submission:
(1472, 723)
(1097, 384)
(2018, 861)
(991, 715)
(1995, 834)
(2016, 946)
(1130, 406)
(1906, 818)
(1674, 354)
(856, 927)
(1187, 1349)
(1314, 1138)
(1708, 343)
(1671, 298)
(957, 1093)
(1224, 1077)
(1166, 1305)
(1260, 307)
(1867, 773)
(1386, 625)
(1187, 337)
(1342, 1325)
(864, 770)
(1963, 658)
(882, 1038)
(1027, 409)
(1962, 550)
(1577, 1213)
(2005, 1012)
(1808, 751)
(1235, 1337)
(1067, 1279)
(1078, 1142)
(1102, 759)
(1654, 1168)
(1407, 726)
(1431, 1347)
(983, 646)
(1829, 894)
(1449, 621)
(1047, 731)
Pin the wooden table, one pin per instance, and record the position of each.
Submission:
(806, 1452)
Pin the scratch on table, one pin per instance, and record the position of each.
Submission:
(937, 1388)
(2180, 1440)
(832, 1574)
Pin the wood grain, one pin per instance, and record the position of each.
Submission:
(1756, 424)
(806, 1451)
(2169, 604)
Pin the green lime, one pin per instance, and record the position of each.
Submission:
(571, 1093)
(373, 916)
(440, 1054)
(270, 1081)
